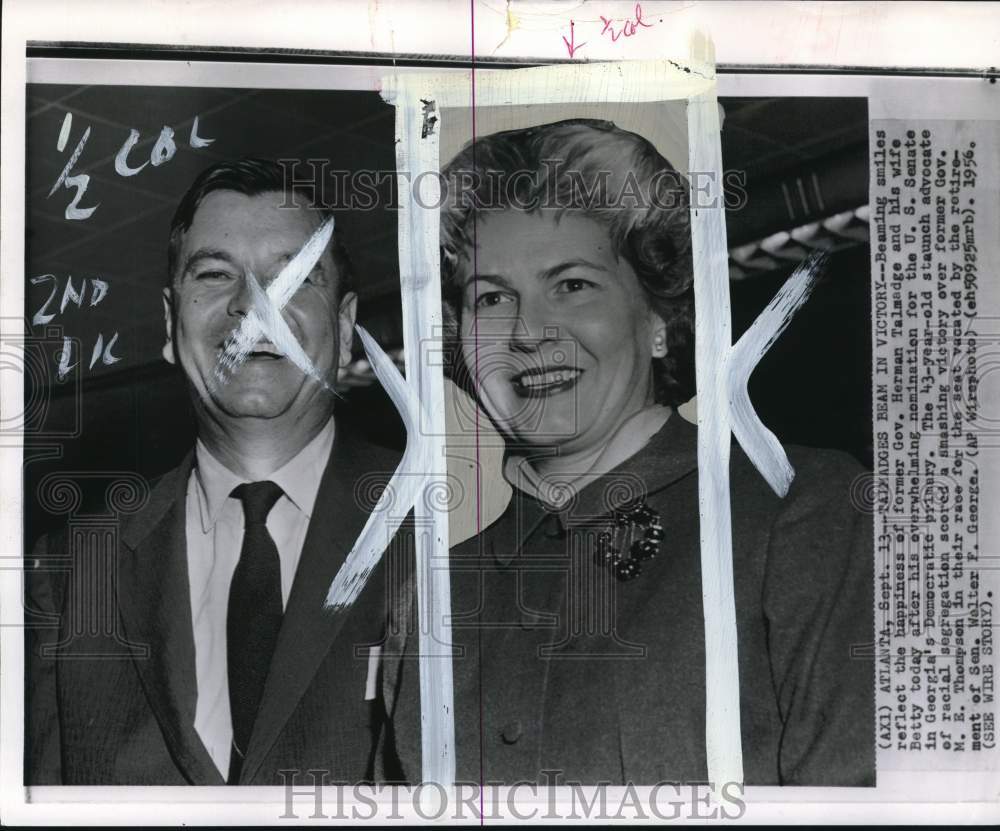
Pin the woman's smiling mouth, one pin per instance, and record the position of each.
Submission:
(539, 383)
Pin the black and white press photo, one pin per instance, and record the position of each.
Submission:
(204, 422)
(475, 411)
(211, 441)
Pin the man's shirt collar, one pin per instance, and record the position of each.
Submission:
(299, 478)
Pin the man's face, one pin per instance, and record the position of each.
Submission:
(231, 235)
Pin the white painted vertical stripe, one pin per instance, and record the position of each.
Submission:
(713, 338)
(419, 267)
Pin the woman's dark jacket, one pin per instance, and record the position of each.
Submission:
(561, 667)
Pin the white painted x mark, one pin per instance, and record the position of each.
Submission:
(264, 319)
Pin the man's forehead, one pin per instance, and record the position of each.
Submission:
(267, 221)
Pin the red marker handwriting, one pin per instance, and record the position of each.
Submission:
(571, 45)
(629, 28)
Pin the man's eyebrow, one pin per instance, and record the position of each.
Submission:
(196, 257)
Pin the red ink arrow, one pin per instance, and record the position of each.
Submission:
(571, 46)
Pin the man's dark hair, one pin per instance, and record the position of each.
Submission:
(589, 167)
(252, 177)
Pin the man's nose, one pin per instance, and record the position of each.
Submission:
(240, 300)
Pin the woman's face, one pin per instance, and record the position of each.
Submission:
(556, 330)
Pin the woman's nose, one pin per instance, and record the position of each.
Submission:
(533, 325)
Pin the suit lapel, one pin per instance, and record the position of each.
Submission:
(155, 604)
(308, 630)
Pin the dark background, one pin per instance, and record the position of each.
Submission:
(806, 167)
(134, 415)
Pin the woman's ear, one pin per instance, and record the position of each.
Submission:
(658, 337)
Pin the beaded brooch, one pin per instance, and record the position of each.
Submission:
(633, 534)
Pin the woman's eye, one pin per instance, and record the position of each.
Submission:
(573, 284)
(492, 298)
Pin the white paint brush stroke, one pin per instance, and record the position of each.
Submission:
(272, 326)
(760, 444)
(419, 270)
(265, 315)
(713, 342)
(401, 493)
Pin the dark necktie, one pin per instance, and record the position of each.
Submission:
(254, 616)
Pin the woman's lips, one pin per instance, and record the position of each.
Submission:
(540, 383)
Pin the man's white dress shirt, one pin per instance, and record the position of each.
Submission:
(214, 528)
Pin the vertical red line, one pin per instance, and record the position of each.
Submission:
(475, 341)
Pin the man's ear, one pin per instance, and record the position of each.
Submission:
(347, 315)
(168, 321)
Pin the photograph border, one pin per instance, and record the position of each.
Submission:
(943, 795)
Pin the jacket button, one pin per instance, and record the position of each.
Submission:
(512, 732)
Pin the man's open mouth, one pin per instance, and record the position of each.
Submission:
(270, 354)
(262, 351)
(538, 383)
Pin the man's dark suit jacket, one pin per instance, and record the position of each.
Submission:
(128, 718)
